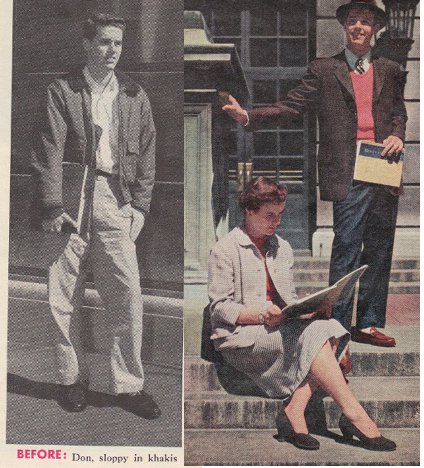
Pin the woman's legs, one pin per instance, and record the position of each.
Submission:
(325, 373)
(295, 410)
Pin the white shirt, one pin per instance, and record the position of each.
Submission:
(352, 58)
(104, 110)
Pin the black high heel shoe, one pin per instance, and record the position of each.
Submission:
(286, 433)
(371, 443)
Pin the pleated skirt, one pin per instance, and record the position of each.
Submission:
(281, 358)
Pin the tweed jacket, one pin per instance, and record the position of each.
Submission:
(327, 88)
(66, 132)
(237, 279)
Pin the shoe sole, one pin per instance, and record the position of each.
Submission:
(379, 343)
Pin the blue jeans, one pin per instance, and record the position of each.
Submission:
(364, 229)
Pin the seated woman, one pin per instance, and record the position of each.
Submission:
(250, 281)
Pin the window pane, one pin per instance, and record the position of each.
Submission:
(264, 92)
(263, 52)
(291, 143)
(263, 20)
(226, 22)
(293, 21)
(265, 166)
(293, 52)
(232, 172)
(265, 143)
(291, 169)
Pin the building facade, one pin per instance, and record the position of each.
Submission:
(275, 41)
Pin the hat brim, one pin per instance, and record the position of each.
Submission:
(380, 17)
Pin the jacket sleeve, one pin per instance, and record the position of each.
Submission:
(141, 189)
(299, 100)
(47, 152)
(223, 308)
(399, 116)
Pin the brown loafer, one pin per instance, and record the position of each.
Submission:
(374, 337)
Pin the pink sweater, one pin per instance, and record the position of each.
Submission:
(363, 88)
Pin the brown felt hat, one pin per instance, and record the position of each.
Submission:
(380, 16)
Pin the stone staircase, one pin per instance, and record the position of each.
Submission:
(225, 429)
(311, 275)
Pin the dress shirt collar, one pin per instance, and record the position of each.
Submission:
(352, 58)
(108, 84)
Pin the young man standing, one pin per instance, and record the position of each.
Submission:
(101, 119)
(356, 97)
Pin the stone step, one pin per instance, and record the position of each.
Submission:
(403, 360)
(311, 287)
(258, 447)
(321, 275)
(316, 263)
(390, 401)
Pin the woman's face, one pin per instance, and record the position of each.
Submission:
(265, 221)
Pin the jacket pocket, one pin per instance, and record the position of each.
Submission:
(130, 160)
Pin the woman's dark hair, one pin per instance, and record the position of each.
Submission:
(259, 191)
(99, 20)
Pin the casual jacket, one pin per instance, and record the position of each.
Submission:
(327, 88)
(66, 132)
(237, 279)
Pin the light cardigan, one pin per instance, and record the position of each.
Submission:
(237, 279)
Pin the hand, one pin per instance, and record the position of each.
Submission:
(393, 145)
(324, 312)
(136, 224)
(235, 111)
(273, 316)
(55, 224)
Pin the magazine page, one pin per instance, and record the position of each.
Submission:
(93, 340)
(278, 93)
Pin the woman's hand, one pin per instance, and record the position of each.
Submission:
(324, 312)
(273, 316)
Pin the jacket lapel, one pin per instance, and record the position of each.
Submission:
(341, 71)
(379, 77)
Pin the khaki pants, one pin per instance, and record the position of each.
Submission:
(110, 251)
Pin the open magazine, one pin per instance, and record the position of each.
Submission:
(332, 294)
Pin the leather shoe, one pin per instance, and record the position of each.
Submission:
(374, 337)
(286, 433)
(140, 403)
(73, 398)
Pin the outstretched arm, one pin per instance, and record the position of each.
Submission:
(299, 100)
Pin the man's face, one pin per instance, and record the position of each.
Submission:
(104, 50)
(360, 28)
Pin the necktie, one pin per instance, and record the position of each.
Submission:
(359, 66)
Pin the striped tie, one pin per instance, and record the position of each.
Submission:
(359, 66)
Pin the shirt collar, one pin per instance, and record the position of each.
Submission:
(108, 84)
(244, 239)
(352, 58)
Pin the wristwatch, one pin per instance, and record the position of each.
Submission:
(261, 318)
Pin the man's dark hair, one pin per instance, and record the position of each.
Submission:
(261, 190)
(99, 20)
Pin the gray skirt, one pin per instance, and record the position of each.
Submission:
(281, 358)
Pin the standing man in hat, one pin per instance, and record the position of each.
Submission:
(356, 97)
(100, 119)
